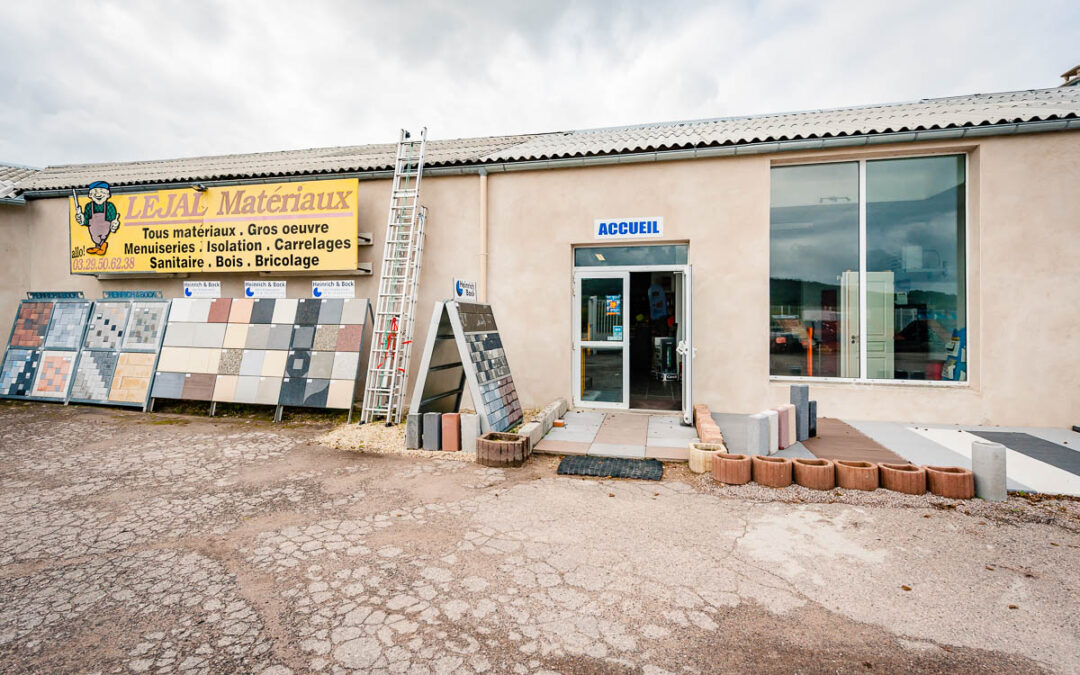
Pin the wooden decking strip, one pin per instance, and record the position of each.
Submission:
(837, 440)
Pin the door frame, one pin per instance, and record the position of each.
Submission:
(576, 342)
(611, 345)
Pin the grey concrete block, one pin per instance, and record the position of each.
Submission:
(547, 418)
(561, 407)
(757, 434)
(470, 431)
(800, 398)
(432, 431)
(535, 432)
(414, 430)
(774, 430)
(988, 465)
(812, 426)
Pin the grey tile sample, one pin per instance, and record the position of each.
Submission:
(252, 362)
(307, 311)
(303, 337)
(354, 311)
(322, 365)
(107, 324)
(262, 311)
(247, 389)
(93, 376)
(258, 337)
(299, 363)
(68, 323)
(209, 335)
(280, 336)
(180, 334)
(315, 393)
(145, 325)
(18, 371)
(292, 391)
(330, 311)
(168, 385)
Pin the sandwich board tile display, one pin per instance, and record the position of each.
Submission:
(482, 362)
(42, 348)
(117, 359)
(265, 351)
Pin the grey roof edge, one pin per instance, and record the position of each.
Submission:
(1003, 113)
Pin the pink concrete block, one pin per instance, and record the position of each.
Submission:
(451, 432)
(785, 424)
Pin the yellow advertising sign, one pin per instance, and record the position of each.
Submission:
(241, 228)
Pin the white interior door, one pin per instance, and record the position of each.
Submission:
(849, 324)
(601, 338)
(880, 317)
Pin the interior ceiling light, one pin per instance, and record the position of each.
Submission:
(599, 256)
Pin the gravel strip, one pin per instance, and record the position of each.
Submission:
(378, 438)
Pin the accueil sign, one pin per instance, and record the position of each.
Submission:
(310, 225)
(628, 228)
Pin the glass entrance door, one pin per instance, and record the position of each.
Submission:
(601, 357)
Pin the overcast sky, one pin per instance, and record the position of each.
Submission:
(106, 81)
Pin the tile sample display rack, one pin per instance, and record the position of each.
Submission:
(64, 348)
(279, 352)
(119, 352)
(42, 347)
(464, 347)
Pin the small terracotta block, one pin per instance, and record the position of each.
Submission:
(451, 432)
(953, 482)
(906, 478)
(559, 423)
(731, 469)
(771, 471)
(856, 475)
(816, 474)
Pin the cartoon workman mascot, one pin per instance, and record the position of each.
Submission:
(99, 216)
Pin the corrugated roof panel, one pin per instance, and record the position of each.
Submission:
(942, 113)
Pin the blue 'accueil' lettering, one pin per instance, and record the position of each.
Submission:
(602, 230)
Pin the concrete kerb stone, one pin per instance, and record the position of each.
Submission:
(414, 423)
(470, 431)
(757, 434)
(561, 407)
(800, 398)
(534, 431)
(432, 435)
(988, 466)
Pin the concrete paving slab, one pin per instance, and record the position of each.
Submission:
(617, 450)
(573, 435)
(550, 447)
(667, 454)
(796, 450)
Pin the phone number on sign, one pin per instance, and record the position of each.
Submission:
(96, 264)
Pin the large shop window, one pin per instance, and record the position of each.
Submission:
(869, 291)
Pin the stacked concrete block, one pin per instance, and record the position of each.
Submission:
(451, 432)
(812, 427)
(432, 434)
(792, 433)
(551, 412)
(414, 427)
(782, 428)
(470, 431)
(988, 465)
(774, 430)
(800, 398)
(757, 434)
(534, 431)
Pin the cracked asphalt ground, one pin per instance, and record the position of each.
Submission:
(165, 543)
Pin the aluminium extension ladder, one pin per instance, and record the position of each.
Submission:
(391, 338)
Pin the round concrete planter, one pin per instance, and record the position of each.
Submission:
(502, 450)
(906, 478)
(702, 454)
(772, 471)
(953, 482)
(856, 475)
(816, 474)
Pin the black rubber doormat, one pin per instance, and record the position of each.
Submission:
(611, 467)
(1061, 456)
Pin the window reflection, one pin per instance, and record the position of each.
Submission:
(813, 270)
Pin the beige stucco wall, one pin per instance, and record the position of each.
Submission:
(1023, 280)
